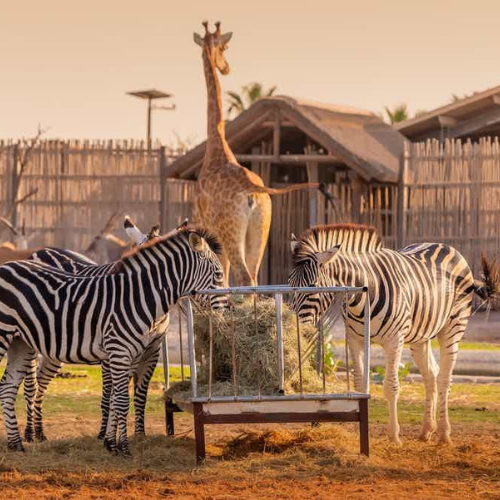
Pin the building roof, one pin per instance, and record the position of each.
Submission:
(358, 138)
(476, 115)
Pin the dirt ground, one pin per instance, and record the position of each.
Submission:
(294, 461)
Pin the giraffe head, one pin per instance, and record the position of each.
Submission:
(215, 44)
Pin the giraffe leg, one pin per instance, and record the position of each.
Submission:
(449, 338)
(226, 266)
(424, 359)
(235, 251)
(257, 234)
(393, 350)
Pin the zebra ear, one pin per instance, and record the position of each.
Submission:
(197, 242)
(183, 225)
(133, 231)
(324, 258)
(294, 243)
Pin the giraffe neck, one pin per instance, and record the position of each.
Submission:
(218, 151)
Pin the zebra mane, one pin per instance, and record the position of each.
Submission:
(352, 238)
(210, 238)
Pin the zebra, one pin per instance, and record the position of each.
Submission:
(416, 294)
(35, 390)
(79, 319)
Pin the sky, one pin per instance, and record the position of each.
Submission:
(67, 65)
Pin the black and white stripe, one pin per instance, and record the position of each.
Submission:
(76, 319)
(416, 294)
(142, 372)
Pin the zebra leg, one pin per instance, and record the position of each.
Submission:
(424, 359)
(393, 351)
(142, 377)
(356, 352)
(110, 436)
(120, 407)
(16, 370)
(30, 387)
(448, 337)
(47, 370)
(107, 385)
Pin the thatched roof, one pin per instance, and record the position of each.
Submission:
(358, 138)
(470, 117)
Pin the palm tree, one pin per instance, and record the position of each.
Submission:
(249, 94)
(397, 114)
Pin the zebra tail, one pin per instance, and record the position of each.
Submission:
(489, 287)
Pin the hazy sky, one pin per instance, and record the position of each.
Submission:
(67, 64)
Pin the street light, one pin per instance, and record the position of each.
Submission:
(151, 95)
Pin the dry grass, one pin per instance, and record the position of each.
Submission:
(293, 461)
(244, 342)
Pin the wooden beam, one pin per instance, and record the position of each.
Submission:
(447, 121)
(290, 158)
(475, 124)
(284, 123)
(276, 136)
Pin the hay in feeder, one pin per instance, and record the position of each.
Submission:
(244, 344)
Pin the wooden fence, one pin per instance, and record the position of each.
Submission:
(451, 194)
(448, 193)
(81, 184)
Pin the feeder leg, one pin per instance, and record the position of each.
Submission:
(169, 417)
(199, 432)
(364, 437)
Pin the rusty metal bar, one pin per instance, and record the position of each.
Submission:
(166, 362)
(278, 302)
(179, 313)
(192, 352)
(210, 355)
(257, 338)
(322, 353)
(346, 346)
(366, 372)
(270, 289)
(299, 351)
(233, 350)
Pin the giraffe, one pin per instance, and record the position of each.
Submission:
(232, 201)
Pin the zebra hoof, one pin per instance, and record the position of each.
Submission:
(29, 435)
(16, 446)
(41, 437)
(123, 449)
(110, 445)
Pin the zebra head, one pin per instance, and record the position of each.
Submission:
(310, 270)
(207, 272)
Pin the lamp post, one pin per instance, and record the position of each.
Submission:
(150, 95)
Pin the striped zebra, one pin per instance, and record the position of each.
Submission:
(416, 294)
(79, 319)
(142, 371)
